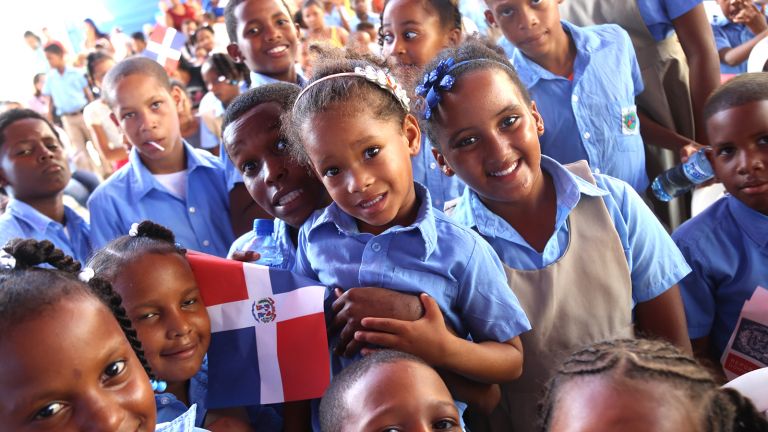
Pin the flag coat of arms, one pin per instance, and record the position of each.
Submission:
(268, 335)
(164, 46)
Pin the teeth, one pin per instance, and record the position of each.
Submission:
(290, 197)
(372, 202)
(504, 172)
(277, 50)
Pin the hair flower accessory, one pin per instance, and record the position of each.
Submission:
(7, 261)
(435, 80)
(385, 81)
(86, 274)
(134, 231)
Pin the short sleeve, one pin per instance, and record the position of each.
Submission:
(487, 305)
(105, 220)
(698, 295)
(677, 8)
(721, 39)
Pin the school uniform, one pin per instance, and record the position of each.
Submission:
(608, 253)
(667, 94)
(727, 246)
(427, 172)
(285, 244)
(21, 220)
(183, 423)
(132, 194)
(371, 17)
(730, 35)
(602, 109)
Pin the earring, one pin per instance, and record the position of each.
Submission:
(158, 385)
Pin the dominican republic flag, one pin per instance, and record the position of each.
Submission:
(268, 336)
(164, 46)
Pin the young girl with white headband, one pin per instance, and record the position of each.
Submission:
(353, 127)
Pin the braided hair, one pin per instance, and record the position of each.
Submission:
(648, 360)
(226, 67)
(26, 289)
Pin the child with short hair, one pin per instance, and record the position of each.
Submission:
(150, 272)
(101, 380)
(585, 79)
(166, 179)
(34, 172)
(637, 384)
(388, 390)
(352, 125)
(725, 244)
(548, 223)
(740, 28)
(412, 33)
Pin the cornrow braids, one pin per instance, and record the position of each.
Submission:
(26, 289)
(649, 360)
(225, 66)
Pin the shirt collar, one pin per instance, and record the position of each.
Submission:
(586, 43)
(753, 223)
(37, 220)
(258, 79)
(143, 180)
(333, 217)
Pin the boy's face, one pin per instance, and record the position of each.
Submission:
(365, 164)
(267, 38)
(278, 184)
(739, 155)
(529, 25)
(489, 136)
(54, 60)
(361, 7)
(147, 112)
(32, 161)
(400, 396)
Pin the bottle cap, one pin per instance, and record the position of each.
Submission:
(264, 226)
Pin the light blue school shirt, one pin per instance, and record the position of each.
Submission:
(354, 21)
(21, 220)
(132, 194)
(66, 90)
(730, 35)
(658, 15)
(182, 423)
(434, 255)
(655, 263)
(284, 243)
(727, 246)
(426, 171)
(586, 119)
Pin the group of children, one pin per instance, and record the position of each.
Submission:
(542, 253)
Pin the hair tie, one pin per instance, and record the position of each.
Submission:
(158, 385)
(86, 274)
(134, 231)
(375, 75)
(7, 261)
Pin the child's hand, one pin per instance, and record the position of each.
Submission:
(428, 337)
(245, 256)
(353, 305)
(750, 16)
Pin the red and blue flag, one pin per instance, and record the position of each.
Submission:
(164, 46)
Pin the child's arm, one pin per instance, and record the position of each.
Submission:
(663, 317)
(243, 210)
(755, 21)
(430, 339)
(655, 133)
(695, 34)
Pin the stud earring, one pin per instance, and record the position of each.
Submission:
(158, 385)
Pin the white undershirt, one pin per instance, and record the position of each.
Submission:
(175, 183)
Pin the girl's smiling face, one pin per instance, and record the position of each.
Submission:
(71, 368)
(163, 302)
(489, 136)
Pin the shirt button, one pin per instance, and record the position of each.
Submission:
(165, 401)
(206, 243)
(192, 210)
(574, 98)
(586, 135)
(376, 247)
(432, 165)
(597, 170)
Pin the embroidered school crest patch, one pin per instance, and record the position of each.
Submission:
(630, 125)
(264, 310)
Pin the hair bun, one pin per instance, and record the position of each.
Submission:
(155, 231)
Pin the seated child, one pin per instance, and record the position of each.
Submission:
(585, 81)
(548, 223)
(388, 390)
(641, 385)
(352, 125)
(150, 272)
(737, 32)
(100, 380)
(725, 244)
(166, 180)
(34, 172)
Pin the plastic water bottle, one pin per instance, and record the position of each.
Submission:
(265, 243)
(682, 178)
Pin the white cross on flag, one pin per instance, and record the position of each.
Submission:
(164, 46)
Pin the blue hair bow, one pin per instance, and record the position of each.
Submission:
(434, 81)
